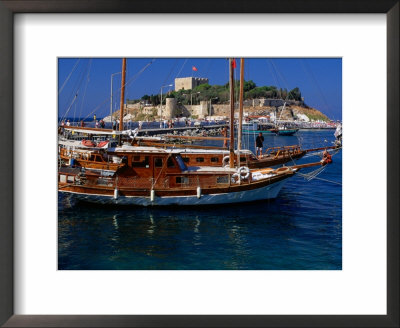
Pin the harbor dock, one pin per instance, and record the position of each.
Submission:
(178, 130)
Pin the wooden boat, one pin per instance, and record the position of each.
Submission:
(90, 159)
(100, 159)
(160, 177)
(110, 158)
(191, 154)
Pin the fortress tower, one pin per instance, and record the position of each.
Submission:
(170, 108)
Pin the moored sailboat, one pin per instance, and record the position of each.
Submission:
(155, 176)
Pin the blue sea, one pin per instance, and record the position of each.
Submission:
(299, 230)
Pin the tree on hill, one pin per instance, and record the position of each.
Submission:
(155, 100)
(248, 85)
(221, 93)
(295, 94)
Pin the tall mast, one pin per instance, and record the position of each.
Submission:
(121, 106)
(231, 128)
(239, 144)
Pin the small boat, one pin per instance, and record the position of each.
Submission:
(257, 126)
(285, 131)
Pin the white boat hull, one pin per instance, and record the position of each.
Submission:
(267, 192)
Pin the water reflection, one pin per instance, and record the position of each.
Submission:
(139, 238)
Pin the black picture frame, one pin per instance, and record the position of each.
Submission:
(10, 7)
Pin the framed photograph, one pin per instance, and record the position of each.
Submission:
(98, 103)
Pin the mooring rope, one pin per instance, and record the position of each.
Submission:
(313, 174)
(335, 182)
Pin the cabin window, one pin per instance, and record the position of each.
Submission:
(136, 159)
(70, 178)
(158, 162)
(222, 179)
(182, 180)
(199, 159)
(243, 159)
(63, 178)
(214, 159)
(170, 162)
(186, 159)
(143, 163)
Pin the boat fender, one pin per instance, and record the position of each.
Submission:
(234, 176)
(327, 159)
(225, 161)
(152, 195)
(244, 172)
(115, 193)
(198, 192)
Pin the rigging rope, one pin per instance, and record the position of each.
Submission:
(68, 77)
(135, 77)
(286, 85)
(320, 153)
(170, 72)
(209, 66)
(313, 174)
(274, 76)
(87, 82)
(335, 182)
(181, 68)
(74, 114)
(73, 100)
(311, 76)
(76, 88)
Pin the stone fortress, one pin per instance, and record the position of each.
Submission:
(187, 83)
(172, 109)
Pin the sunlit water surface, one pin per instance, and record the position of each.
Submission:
(300, 230)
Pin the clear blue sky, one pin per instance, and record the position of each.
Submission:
(319, 80)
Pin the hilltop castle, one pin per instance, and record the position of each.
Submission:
(188, 83)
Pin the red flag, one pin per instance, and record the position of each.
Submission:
(233, 63)
(194, 68)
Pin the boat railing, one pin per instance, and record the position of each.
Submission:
(172, 181)
(89, 155)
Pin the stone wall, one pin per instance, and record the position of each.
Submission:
(263, 102)
(200, 111)
(172, 109)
